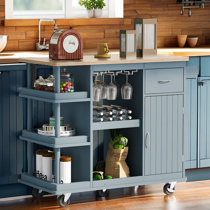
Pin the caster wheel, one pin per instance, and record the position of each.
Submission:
(102, 193)
(36, 193)
(167, 189)
(61, 201)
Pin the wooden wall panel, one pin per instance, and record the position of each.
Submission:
(24, 34)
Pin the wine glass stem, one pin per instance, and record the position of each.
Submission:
(126, 78)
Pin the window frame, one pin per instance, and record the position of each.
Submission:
(64, 14)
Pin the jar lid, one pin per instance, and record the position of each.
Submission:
(64, 74)
(40, 152)
(65, 158)
(48, 154)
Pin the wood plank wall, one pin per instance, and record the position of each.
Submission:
(170, 24)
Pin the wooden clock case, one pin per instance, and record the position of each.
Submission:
(56, 50)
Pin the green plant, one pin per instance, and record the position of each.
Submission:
(92, 4)
(117, 140)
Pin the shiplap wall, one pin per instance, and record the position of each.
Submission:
(24, 35)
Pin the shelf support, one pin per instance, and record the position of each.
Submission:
(29, 122)
(56, 112)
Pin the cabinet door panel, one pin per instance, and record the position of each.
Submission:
(204, 123)
(11, 124)
(163, 134)
(191, 124)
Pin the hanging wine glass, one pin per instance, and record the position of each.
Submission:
(97, 90)
(111, 90)
(126, 90)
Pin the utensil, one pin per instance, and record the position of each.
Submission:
(97, 90)
(126, 90)
(3, 42)
(111, 90)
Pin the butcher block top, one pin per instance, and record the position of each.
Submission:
(164, 55)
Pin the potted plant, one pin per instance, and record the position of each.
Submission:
(94, 7)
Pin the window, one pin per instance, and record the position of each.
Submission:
(35, 9)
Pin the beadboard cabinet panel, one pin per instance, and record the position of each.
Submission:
(11, 124)
(163, 134)
(191, 124)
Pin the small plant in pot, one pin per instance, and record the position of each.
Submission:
(94, 7)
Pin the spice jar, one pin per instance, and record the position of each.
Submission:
(65, 169)
(66, 82)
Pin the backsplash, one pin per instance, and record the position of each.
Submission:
(170, 24)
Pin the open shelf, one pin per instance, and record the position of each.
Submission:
(116, 124)
(53, 187)
(53, 97)
(53, 142)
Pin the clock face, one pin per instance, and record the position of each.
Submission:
(70, 44)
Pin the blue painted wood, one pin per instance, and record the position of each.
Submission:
(11, 122)
(191, 124)
(164, 80)
(193, 67)
(205, 64)
(204, 121)
(163, 134)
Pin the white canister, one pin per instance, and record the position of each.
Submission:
(65, 169)
(39, 162)
(47, 162)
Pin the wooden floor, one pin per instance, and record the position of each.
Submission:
(191, 195)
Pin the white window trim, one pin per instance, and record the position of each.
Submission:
(68, 12)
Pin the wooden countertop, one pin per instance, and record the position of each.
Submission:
(164, 55)
(188, 52)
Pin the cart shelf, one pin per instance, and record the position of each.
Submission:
(54, 188)
(53, 142)
(53, 97)
(116, 124)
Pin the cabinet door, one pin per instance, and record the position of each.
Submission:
(191, 142)
(11, 124)
(204, 122)
(163, 134)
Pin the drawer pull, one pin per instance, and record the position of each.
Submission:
(164, 81)
(147, 140)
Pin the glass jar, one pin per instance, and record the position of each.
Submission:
(66, 82)
(39, 84)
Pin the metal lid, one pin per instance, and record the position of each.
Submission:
(65, 74)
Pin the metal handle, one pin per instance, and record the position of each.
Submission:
(164, 81)
(147, 140)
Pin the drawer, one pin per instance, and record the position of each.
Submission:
(164, 80)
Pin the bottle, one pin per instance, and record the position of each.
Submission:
(126, 111)
(106, 118)
(117, 117)
(97, 113)
(98, 119)
(126, 117)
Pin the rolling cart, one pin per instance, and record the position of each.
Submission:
(155, 134)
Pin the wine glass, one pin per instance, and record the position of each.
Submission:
(111, 90)
(104, 89)
(126, 90)
(97, 90)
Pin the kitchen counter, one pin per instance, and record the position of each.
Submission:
(188, 52)
(164, 55)
(43, 58)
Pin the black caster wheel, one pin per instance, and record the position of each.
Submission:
(36, 193)
(61, 201)
(167, 189)
(102, 193)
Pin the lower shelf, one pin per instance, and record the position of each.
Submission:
(116, 124)
(53, 142)
(54, 188)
